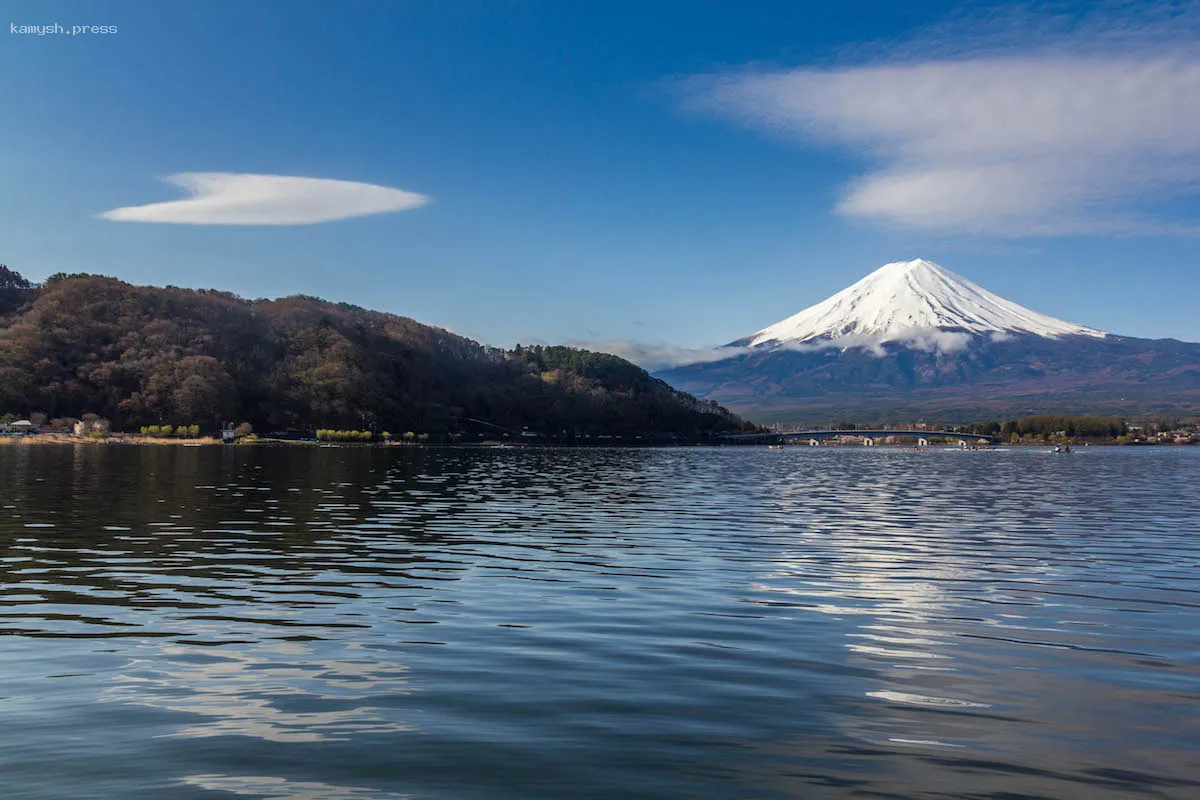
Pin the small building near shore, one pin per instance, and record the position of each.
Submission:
(92, 424)
(21, 427)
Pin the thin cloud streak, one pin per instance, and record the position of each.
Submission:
(927, 340)
(655, 357)
(227, 198)
(1010, 145)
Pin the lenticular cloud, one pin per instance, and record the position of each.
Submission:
(227, 198)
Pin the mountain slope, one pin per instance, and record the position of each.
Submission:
(914, 339)
(143, 354)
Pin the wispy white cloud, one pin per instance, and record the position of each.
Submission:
(1075, 136)
(660, 356)
(654, 357)
(228, 198)
(928, 340)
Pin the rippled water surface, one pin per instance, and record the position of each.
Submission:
(341, 623)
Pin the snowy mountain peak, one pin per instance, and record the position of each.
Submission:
(903, 300)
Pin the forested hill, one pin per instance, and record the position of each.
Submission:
(148, 355)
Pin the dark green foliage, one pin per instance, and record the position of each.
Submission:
(610, 370)
(986, 428)
(15, 291)
(1047, 425)
(152, 356)
(583, 391)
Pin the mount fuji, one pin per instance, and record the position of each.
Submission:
(915, 339)
(901, 300)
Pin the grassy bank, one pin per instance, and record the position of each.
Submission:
(116, 438)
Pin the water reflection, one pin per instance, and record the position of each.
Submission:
(264, 786)
(344, 623)
(281, 692)
(976, 621)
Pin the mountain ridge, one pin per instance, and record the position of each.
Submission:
(146, 354)
(914, 338)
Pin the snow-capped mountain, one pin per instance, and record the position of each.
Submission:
(914, 339)
(901, 299)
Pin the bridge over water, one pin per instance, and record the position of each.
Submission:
(869, 437)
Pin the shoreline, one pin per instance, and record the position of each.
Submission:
(137, 440)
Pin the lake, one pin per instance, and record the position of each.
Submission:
(373, 624)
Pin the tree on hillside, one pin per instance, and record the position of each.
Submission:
(15, 290)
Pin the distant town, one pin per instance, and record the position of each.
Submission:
(1035, 430)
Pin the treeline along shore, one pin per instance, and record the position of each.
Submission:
(89, 355)
(1031, 430)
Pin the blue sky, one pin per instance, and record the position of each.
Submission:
(669, 173)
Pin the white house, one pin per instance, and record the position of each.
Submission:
(21, 426)
(92, 424)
